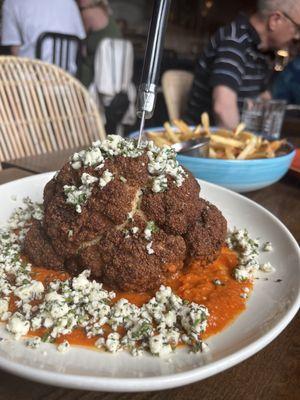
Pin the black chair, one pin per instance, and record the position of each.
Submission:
(61, 44)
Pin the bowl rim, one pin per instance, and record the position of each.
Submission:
(290, 154)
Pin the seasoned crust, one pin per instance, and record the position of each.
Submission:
(109, 235)
(38, 248)
(175, 209)
(128, 265)
(206, 237)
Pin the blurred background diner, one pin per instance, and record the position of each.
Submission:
(216, 53)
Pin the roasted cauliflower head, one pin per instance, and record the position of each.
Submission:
(131, 215)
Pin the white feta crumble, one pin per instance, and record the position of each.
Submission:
(18, 325)
(150, 228)
(113, 342)
(34, 342)
(160, 184)
(88, 179)
(149, 248)
(248, 253)
(82, 303)
(267, 267)
(4, 303)
(29, 291)
(106, 177)
(158, 345)
(63, 347)
(267, 246)
(217, 282)
(123, 179)
(77, 196)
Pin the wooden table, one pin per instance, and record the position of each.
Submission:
(273, 373)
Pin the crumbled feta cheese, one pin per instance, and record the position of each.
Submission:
(34, 342)
(17, 325)
(106, 177)
(77, 196)
(160, 184)
(149, 248)
(159, 346)
(88, 179)
(3, 306)
(150, 228)
(113, 342)
(217, 282)
(29, 291)
(267, 246)
(63, 347)
(81, 303)
(267, 267)
(123, 179)
(70, 233)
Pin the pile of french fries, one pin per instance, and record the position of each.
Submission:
(224, 144)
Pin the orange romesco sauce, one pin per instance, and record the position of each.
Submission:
(224, 302)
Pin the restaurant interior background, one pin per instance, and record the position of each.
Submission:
(190, 24)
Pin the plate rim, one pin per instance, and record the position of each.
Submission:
(119, 384)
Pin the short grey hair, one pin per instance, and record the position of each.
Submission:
(266, 7)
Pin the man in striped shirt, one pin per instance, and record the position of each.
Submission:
(234, 66)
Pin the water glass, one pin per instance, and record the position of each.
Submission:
(264, 117)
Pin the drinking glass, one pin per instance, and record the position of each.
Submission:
(264, 117)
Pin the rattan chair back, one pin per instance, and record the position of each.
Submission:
(43, 109)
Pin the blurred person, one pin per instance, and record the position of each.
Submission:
(99, 24)
(287, 84)
(24, 20)
(234, 65)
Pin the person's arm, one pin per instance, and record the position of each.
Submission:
(226, 77)
(266, 95)
(11, 35)
(225, 109)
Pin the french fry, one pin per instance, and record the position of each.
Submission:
(245, 135)
(224, 133)
(184, 129)
(198, 129)
(170, 134)
(247, 150)
(226, 141)
(212, 153)
(205, 122)
(225, 144)
(277, 144)
(229, 153)
(158, 138)
(241, 126)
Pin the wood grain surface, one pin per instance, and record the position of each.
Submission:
(12, 174)
(273, 373)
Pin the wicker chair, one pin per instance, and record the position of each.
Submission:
(43, 109)
(176, 85)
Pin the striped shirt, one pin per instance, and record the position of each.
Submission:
(232, 59)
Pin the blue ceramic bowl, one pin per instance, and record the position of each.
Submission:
(238, 175)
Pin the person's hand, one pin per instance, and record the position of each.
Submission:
(266, 95)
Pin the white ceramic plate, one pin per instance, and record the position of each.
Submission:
(270, 308)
